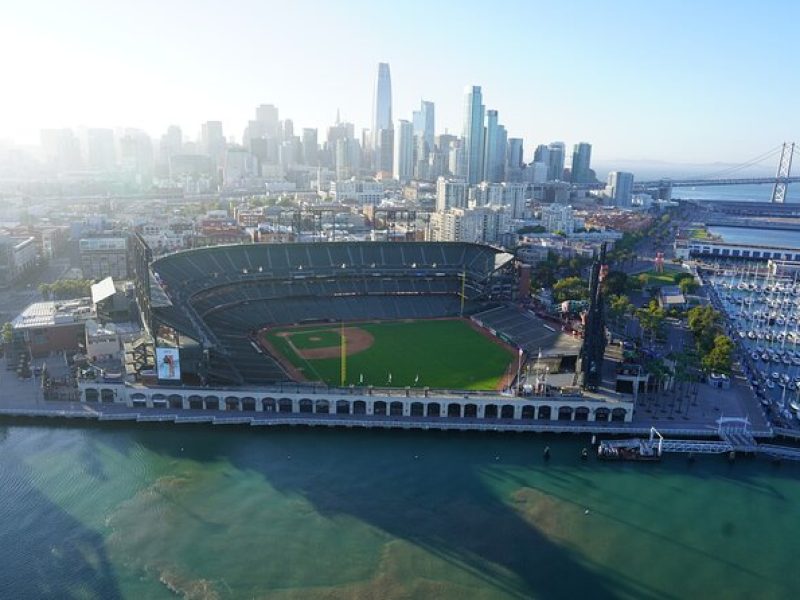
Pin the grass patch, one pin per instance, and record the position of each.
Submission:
(443, 353)
(699, 234)
(655, 279)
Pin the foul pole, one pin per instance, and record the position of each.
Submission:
(343, 372)
(463, 289)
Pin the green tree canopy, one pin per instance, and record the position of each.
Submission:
(615, 283)
(719, 358)
(570, 288)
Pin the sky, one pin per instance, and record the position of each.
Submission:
(672, 80)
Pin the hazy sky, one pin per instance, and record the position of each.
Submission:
(671, 80)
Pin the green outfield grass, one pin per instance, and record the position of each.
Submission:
(444, 353)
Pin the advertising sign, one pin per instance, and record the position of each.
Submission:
(168, 363)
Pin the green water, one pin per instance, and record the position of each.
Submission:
(196, 512)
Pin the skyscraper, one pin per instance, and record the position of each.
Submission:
(382, 103)
(424, 124)
(473, 134)
(494, 158)
(404, 151)
(619, 188)
(267, 115)
(100, 149)
(490, 146)
(310, 147)
(541, 154)
(581, 163)
(555, 164)
(212, 141)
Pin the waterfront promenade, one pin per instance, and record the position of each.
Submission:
(692, 412)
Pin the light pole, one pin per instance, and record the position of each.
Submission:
(519, 369)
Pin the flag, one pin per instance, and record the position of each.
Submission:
(416, 379)
(540, 354)
(361, 378)
(390, 378)
(520, 351)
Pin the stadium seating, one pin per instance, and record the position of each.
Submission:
(225, 294)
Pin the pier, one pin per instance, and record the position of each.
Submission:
(734, 433)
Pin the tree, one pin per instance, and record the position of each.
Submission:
(570, 288)
(618, 307)
(720, 358)
(651, 319)
(704, 323)
(66, 288)
(7, 333)
(615, 283)
(688, 286)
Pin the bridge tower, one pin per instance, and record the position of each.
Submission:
(784, 171)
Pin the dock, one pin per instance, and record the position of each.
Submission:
(734, 433)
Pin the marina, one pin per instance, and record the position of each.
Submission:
(763, 313)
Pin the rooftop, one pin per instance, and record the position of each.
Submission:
(49, 314)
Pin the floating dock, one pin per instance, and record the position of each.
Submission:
(734, 433)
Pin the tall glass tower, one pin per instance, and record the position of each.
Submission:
(382, 107)
(473, 134)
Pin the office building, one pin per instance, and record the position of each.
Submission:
(61, 149)
(581, 163)
(171, 144)
(382, 104)
(555, 161)
(212, 141)
(267, 118)
(310, 147)
(348, 158)
(358, 191)
(240, 166)
(450, 193)
(17, 256)
(494, 149)
(473, 134)
(481, 225)
(424, 125)
(514, 199)
(404, 151)
(619, 188)
(100, 150)
(384, 153)
(104, 256)
(558, 217)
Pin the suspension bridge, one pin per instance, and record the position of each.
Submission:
(784, 153)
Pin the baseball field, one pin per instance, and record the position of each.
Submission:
(439, 353)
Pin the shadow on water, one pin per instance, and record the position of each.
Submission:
(45, 552)
(439, 501)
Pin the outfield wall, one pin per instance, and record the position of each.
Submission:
(305, 402)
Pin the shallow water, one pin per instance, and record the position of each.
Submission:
(145, 512)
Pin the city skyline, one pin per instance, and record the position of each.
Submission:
(161, 70)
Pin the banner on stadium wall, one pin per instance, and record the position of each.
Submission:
(169, 364)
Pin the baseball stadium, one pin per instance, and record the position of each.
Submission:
(405, 329)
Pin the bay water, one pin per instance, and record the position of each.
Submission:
(132, 511)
